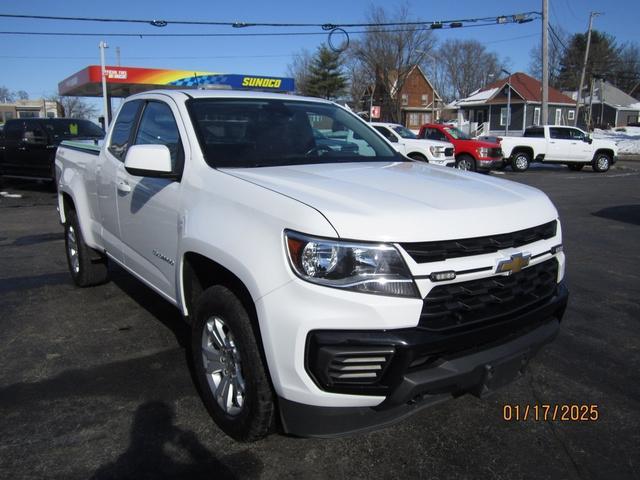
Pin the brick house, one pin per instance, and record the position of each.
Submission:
(416, 100)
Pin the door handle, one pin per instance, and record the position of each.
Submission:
(552, 142)
(123, 186)
(22, 148)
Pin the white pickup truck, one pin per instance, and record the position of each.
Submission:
(557, 144)
(329, 290)
(421, 149)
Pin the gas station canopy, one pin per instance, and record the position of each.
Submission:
(125, 81)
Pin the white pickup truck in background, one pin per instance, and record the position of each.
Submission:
(331, 285)
(557, 144)
(408, 143)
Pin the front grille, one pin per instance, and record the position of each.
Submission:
(448, 152)
(495, 152)
(423, 252)
(488, 299)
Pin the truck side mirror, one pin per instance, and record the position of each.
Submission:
(589, 140)
(149, 161)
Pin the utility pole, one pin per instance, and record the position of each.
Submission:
(545, 62)
(584, 66)
(118, 56)
(105, 97)
(506, 127)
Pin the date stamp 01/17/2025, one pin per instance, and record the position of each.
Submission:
(570, 412)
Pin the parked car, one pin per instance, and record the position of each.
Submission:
(556, 144)
(470, 154)
(327, 291)
(332, 143)
(408, 143)
(28, 145)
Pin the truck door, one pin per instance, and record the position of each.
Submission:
(14, 149)
(38, 153)
(560, 146)
(148, 208)
(107, 169)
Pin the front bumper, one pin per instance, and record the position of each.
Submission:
(474, 361)
(444, 162)
(489, 163)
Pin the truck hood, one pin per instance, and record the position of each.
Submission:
(406, 201)
(477, 143)
(425, 142)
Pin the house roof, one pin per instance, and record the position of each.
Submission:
(613, 96)
(525, 86)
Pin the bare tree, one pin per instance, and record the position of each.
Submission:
(389, 54)
(6, 95)
(22, 95)
(467, 66)
(299, 69)
(559, 39)
(75, 107)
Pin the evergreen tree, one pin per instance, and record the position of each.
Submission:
(326, 78)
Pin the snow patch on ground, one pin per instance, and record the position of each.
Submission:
(627, 138)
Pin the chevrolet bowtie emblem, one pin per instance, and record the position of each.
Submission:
(513, 265)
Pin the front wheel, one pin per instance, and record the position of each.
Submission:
(601, 162)
(520, 162)
(87, 266)
(229, 369)
(466, 162)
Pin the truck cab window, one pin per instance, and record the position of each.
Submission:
(560, 133)
(122, 129)
(158, 127)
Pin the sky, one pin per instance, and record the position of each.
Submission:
(37, 63)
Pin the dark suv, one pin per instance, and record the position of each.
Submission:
(28, 145)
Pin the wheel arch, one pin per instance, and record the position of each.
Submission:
(523, 149)
(606, 151)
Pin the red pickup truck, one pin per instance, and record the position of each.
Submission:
(475, 155)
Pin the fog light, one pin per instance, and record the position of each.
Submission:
(556, 249)
(442, 276)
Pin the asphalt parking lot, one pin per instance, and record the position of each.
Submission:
(94, 383)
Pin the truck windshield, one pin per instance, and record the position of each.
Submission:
(242, 133)
(69, 128)
(404, 132)
(457, 133)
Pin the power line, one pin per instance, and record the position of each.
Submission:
(257, 34)
(511, 18)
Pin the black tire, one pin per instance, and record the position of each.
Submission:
(575, 167)
(520, 162)
(601, 162)
(418, 157)
(87, 266)
(255, 418)
(466, 162)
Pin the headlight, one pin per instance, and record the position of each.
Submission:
(437, 150)
(361, 267)
(483, 152)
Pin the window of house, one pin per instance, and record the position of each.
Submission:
(414, 119)
(405, 99)
(571, 115)
(536, 116)
(425, 99)
(558, 119)
(503, 117)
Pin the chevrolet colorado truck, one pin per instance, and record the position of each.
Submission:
(407, 143)
(557, 144)
(328, 290)
(471, 154)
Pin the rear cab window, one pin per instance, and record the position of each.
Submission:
(534, 132)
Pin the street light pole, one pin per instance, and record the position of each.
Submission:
(105, 98)
(506, 127)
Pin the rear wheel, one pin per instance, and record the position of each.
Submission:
(521, 162)
(229, 369)
(466, 162)
(601, 162)
(576, 167)
(86, 265)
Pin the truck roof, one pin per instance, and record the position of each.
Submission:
(180, 94)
